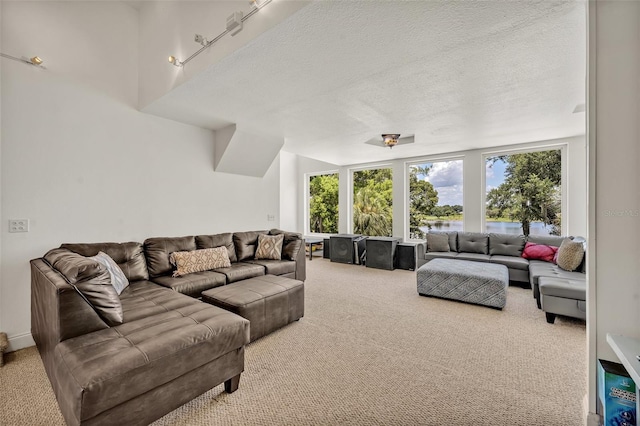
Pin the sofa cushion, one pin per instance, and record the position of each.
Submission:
(440, 254)
(550, 240)
(145, 298)
(539, 268)
(192, 284)
(276, 267)
(100, 370)
(118, 280)
(246, 243)
(566, 288)
(437, 242)
(269, 247)
(291, 245)
(473, 242)
(533, 251)
(241, 271)
(506, 244)
(74, 267)
(453, 238)
(157, 251)
(479, 257)
(129, 256)
(511, 262)
(218, 240)
(570, 255)
(91, 280)
(188, 262)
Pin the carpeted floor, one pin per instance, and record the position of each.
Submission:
(370, 351)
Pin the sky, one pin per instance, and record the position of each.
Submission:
(446, 178)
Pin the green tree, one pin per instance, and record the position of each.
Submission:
(531, 190)
(323, 203)
(371, 213)
(373, 202)
(422, 199)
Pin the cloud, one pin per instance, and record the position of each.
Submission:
(450, 195)
(445, 173)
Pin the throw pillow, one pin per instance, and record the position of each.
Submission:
(118, 280)
(533, 251)
(570, 255)
(269, 247)
(188, 262)
(437, 242)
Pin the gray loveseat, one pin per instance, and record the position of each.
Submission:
(563, 292)
(166, 349)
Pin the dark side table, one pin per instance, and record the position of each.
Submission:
(310, 242)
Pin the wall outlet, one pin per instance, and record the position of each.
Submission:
(271, 217)
(18, 225)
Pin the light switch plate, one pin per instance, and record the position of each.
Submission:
(18, 225)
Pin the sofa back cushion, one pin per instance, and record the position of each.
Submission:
(246, 243)
(128, 256)
(158, 250)
(453, 238)
(506, 244)
(473, 242)
(550, 240)
(91, 280)
(292, 243)
(437, 242)
(218, 240)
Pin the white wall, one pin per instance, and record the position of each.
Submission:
(83, 164)
(614, 154)
(575, 185)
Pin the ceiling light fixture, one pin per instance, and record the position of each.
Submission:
(390, 139)
(36, 60)
(174, 61)
(233, 25)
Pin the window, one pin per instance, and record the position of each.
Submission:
(435, 197)
(524, 193)
(373, 202)
(323, 203)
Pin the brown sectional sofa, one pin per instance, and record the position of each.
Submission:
(169, 348)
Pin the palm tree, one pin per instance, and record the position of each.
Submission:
(371, 214)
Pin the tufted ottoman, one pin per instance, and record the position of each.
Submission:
(268, 302)
(480, 283)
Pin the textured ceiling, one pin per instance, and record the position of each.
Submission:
(457, 75)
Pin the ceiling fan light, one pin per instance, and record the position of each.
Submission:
(36, 60)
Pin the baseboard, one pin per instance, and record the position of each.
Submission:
(20, 341)
(593, 419)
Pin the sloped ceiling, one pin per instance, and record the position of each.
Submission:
(457, 75)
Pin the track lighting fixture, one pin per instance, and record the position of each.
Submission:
(174, 61)
(234, 25)
(200, 39)
(36, 60)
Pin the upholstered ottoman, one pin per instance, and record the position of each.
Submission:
(268, 302)
(480, 283)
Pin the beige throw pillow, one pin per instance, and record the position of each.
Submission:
(570, 255)
(188, 262)
(269, 247)
(437, 242)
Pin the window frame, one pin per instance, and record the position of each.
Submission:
(407, 192)
(307, 199)
(564, 196)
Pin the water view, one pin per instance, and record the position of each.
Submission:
(537, 228)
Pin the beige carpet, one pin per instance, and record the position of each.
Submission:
(370, 351)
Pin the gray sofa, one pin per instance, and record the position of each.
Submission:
(166, 348)
(563, 292)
